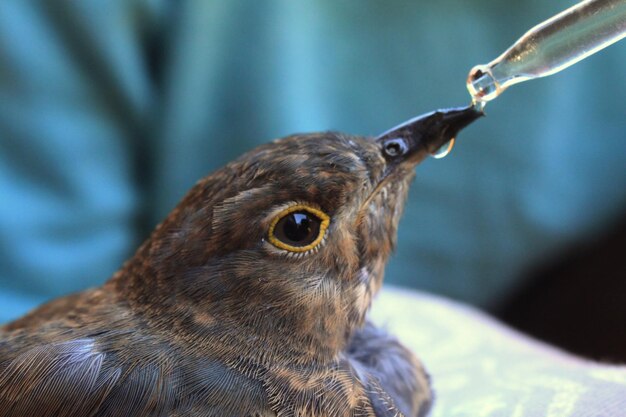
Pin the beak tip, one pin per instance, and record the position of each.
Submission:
(457, 119)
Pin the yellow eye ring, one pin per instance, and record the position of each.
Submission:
(298, 228)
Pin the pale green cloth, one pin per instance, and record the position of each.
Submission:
(480, 368)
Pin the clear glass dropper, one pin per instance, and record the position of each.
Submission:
(551, 46)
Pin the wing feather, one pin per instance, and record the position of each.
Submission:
(61, 379)
(95, 377)
(145, 391)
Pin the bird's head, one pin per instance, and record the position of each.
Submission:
(289, 242)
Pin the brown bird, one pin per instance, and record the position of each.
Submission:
(249, 300)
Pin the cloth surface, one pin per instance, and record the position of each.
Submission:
(480, 368)
(111, 109)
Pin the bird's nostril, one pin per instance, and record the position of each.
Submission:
(395, 147)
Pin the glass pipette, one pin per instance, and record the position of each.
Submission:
(551, 46)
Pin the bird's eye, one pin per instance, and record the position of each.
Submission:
(298, 228)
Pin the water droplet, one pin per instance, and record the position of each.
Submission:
(482, 85)
(444, 150)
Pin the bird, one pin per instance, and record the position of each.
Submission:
(249, 300)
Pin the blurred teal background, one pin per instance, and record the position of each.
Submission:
(111, 109)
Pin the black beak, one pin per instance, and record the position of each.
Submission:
(425, 134)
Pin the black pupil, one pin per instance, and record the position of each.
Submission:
(298, 228)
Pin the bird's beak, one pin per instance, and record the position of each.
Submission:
(425, 134)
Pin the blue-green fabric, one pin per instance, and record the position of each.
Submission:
(111, 109)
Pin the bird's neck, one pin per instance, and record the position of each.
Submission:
(239, 328)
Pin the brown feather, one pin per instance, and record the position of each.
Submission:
(210, 319)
